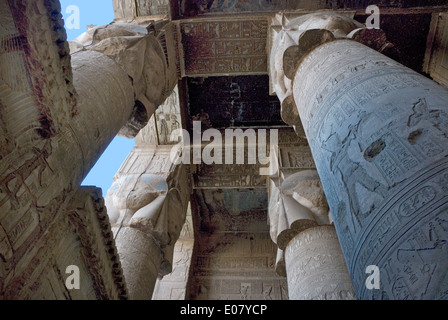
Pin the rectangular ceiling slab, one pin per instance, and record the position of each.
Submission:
(222, 47)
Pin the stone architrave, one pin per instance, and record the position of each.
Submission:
(147, 206)
(131, 9)
(377, 131)
(226, 46)
(77, 248)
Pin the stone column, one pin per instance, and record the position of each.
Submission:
(147, 206)
(175, 285)
(57, 125)
(315, 266)
(309, 249)
(141, 258)
(105, 103)
(58, 112)
(141, 56)
(378, 134)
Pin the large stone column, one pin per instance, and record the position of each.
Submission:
(58, 112)
(377, 131)
(147, 206)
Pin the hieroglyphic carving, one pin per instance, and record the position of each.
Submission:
(143, 58)
(130, 9)
(85, 212)
(370, 159)
(164, 123)
(30, 112)
(77, 234)
(236, 267)
(232, 209)
(316, 268)
(152, 7)
(224, 47)
(229, 176)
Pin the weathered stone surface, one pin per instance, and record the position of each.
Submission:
(130, 9)
(384, 177)
(316, 268)
(385, 162)
(140, 257)
(147, 203)
(356, 154)
(174, 286)
(298, 210)
(293, 38)
(54, 125)
(162, 128)
(236, 266)
(137, 52)
(79, 235)
(148, 57)
(305, 188)
(295, 205)
(230, 46)
(436, 59)
(105, 97)
(240, 101)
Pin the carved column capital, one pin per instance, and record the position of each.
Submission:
(153, 201)
(141, 55)
(293, 38)
(147, 206)
(309, 254)
(295, 205)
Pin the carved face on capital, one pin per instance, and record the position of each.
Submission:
(132, 192)
(306, 188)
(303, 33)
(140, 54)
(154, 73)
(281, 83)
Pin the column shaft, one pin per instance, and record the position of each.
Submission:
(105, 103)
(315, 266)
(140, 256)
(378, 132)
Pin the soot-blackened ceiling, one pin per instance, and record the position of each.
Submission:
(225, 102)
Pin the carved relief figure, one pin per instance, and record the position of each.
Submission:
(438, 118)
(347, 160)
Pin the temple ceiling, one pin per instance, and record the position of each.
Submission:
(222, 46)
